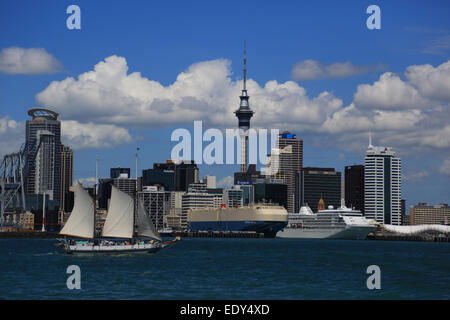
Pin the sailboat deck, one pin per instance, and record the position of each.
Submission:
(113, 248)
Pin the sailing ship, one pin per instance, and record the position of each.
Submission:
(126, 230)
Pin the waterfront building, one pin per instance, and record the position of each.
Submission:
(196, 197)
(163, 177)
(281, 167)
(173, 219)
(43, 147)
(315, 183)
(271, 191)
(218, 196)
(248, 194)
(186, 172)
(248, 177)
(125, 184)
(233, 197)
(176, 198)
(117, 172)
(34, 204)
(104, 192)
(422, 213)
(285, 162)
(382, 185)
(24, 219)
(210, 181)
(156, 202)
(291, 166)
(354, 187)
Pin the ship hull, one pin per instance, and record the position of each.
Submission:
(347, 233)
(268, 228)
(125, 249)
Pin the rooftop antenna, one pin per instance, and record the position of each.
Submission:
(370, 139)
(245, 64)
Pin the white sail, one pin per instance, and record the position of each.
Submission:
(119, 221)
(145, 227)
(81, 220)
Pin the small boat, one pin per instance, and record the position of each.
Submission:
(170, 242)
(126, 230)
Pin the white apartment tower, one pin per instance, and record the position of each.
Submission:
(382, 185)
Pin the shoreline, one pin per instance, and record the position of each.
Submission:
(29, 235)
(379, 237)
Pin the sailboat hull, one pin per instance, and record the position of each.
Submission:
(115, 249)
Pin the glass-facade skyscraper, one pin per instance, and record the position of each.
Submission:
(354, 187)
(317, 183)
(43, 146)
(382, 185)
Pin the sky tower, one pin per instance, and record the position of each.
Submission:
(244, 113)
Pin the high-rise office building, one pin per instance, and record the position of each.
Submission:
(382, 185)
(117, 172)
(186, 172)
(354, 187)
(125, 185)
(248, 177)
(196, 197)
(286, 162)
(289, 139)
(165, 178)
(316, 183)
(66, 175)
(156, 202)
(43, 146)
(271, 192)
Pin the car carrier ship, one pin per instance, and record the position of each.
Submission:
(260, 218)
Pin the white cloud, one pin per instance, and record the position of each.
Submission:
(89, 135)
(445, 167)
(312, 69)
(205, 91)
(389, 92)
(407, 114)
(15, 60)
(439, 45)
(74, 134)
(430, 81)
(11, 136)
(415, 176)
(225, 182)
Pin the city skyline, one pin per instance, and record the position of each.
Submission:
(301, 91)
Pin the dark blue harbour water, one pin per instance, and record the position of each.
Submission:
(230, 269)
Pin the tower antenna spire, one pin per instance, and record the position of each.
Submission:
(245, 64)
(370, 138)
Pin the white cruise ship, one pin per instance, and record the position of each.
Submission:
(341, 223)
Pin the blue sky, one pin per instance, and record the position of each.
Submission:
(163, 39)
